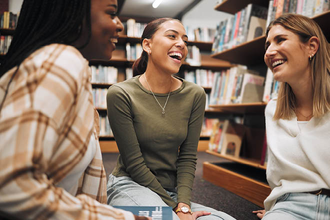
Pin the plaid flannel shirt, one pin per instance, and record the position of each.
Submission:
(46, 124)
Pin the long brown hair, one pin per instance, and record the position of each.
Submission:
(305, 28)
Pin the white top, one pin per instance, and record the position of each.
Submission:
(298, 158)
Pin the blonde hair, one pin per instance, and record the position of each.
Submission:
(306, 28)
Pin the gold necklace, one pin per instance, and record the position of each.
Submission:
(306, 117)
(168, 96)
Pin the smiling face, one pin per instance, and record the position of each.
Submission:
(167, 48)
(105, 28)
(286, 55)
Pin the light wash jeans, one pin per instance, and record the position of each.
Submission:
(302, 206)
(123, 191)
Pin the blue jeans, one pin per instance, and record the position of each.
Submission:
(123, 191)
(293, 206)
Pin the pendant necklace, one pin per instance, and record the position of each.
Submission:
(306, 117)
(168, 96)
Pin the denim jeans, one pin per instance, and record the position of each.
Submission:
(302, 206)
(123, 191)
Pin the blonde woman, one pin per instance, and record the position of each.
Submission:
(298, 120)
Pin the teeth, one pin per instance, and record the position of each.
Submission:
(278, 62)
(179, 55)
(113, 40)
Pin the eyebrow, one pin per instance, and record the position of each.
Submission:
(176, 32)
(113, 5)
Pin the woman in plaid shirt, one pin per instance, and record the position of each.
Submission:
(50, 159)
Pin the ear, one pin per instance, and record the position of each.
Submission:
(313, 45)
(146, 45)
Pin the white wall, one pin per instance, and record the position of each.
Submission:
(15, 5)
(204, 15)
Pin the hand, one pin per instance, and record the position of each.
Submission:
(260, 213)
(193, 216)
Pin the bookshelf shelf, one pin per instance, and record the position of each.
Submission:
(117, 62)
(101, 85)
(7, 31)
(248, 53)
(247, 161)
(252, 52)
(202, 45)
(258, 107)
(106, 137)
(232, 7)
(245, 181)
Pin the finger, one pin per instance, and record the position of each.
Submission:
(200, 213)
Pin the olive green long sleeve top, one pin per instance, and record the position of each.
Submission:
(157, 151)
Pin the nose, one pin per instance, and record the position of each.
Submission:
(270, 52)
(180, 43)
(120, 26)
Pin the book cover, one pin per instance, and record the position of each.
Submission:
(156, 212)
(279, 9)
(257, 28)
(268, 86)
(263, 160)
(252, 88)
(232, 139)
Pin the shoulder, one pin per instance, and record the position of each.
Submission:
(123, 89)
(193, 88)
(127, 85)
(62, 60)
(62, 56)
(270, 108)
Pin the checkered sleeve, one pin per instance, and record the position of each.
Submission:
(46, 124)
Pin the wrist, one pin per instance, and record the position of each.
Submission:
(182, 208)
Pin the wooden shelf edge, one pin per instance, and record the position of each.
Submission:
(249, 162)
(249, 189)
(231, 7)
(239, 105)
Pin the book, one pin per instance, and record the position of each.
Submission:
(156, 212)
(255, 11)
(268, 86)
(252, 88)
(232, 139)
(257, 28)
(263, 160)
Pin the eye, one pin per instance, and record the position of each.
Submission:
(266, 46)
(172, 36)
(186, 43)
(112, 14)
(280, 40)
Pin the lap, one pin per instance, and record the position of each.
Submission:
(123, 191)
(293, 206)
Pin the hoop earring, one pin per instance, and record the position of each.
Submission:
(311, 57)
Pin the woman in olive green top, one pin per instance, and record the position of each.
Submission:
(156, 119)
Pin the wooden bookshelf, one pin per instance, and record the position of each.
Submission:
(248, 53)
(238, 179)
(231, 8)
(252, 108)
(7, 31)
(252, 52)
(248, 161)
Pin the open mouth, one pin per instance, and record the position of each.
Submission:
(113, 41)
(176, 56)
(278, 63)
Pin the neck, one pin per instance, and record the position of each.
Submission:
(304, 102)
(159, 83)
